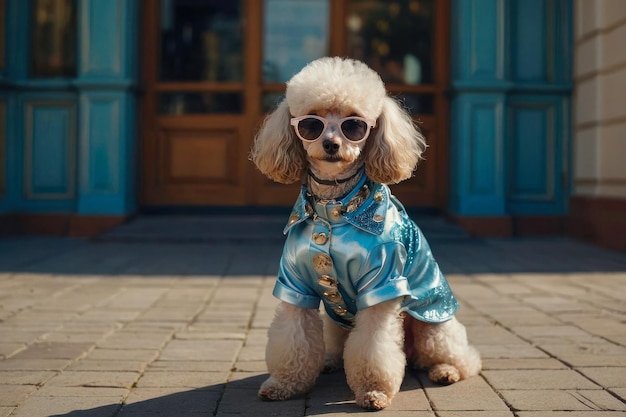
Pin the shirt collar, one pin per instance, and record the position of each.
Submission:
(365, 207)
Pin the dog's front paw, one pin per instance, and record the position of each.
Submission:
(373, 400)
(444, 374)
(274, 390)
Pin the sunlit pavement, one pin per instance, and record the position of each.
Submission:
(168, 317)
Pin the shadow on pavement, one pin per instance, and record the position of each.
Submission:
(238, 398)
(242, 246)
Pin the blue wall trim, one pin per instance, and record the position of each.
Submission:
(70, 141)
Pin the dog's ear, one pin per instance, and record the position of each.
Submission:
(396, 146)
(277, 152)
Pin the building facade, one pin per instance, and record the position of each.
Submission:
(111, 107)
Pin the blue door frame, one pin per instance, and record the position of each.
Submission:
(511, 86)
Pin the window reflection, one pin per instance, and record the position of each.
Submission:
(394, 38)
(295, 33)
(201, 40)
(53, 40)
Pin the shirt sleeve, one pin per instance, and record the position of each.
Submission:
(382, 276)
(291, 286)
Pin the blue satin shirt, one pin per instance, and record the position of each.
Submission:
(358, 252)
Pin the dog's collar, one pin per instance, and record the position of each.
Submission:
(332, 182)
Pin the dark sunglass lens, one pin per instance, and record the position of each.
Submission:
(354, 129)
(310, 128)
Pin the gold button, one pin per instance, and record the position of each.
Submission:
(327, 281)
(336, 212)
(332, 296)
(378, 218)
(378, 197)
(320, 238)
(322, 263)
(340, 311)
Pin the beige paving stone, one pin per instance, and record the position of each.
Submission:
(107, 365)
(562, 331)
(250, 366)
(6, 411)
(59, 406)
(609, 377)
(48, 318)
(56, 391)
(472, 394)
(10, 349)
(247, 380)
(558, 304)
(17, 334)
(137, 298)
(13, 364)
(136, 340)
(196, 380)
(588, 354)
(145, 355)
(522, 363)
(517, 351)
(179, 314)
(13, 395)
(620, 392)
(256, 337)
(493, 335)
(252, 353)
(212, 350)
(25, 377)
(189, 366)
(80, 327)
(109, 316)
(538, 379)
(187, 335)
(94, 379)
(562, 400)
(74, 337)
(535, 318)
(54, 350)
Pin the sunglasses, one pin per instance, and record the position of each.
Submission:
(310, 128)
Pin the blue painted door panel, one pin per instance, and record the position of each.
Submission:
(510, 106)
(536, 154)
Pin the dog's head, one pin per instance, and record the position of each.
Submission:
(355, 122)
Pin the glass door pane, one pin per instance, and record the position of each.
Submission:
(295, 33)
(201, 57)
(201, 40)
(53, 40)
(394, 38)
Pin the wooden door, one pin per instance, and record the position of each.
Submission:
(212, 69)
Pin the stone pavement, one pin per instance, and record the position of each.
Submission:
(168, 317)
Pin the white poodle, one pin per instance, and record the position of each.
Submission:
(351, 245)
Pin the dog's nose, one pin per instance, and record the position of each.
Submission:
(330, 147)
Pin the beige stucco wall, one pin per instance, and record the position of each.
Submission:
(599, 128)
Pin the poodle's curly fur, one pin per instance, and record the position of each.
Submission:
(303, 342)
(393, 150)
